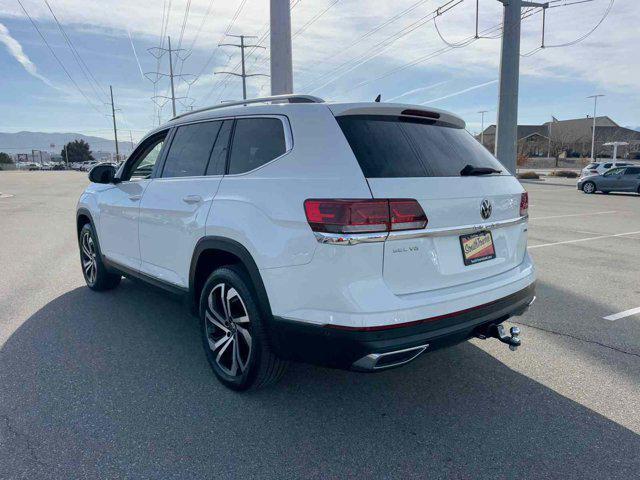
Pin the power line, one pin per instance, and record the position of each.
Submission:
(433, 54)
(184, 22)
(313, 19)
(53, 53)
(381, 47)
(76, 55)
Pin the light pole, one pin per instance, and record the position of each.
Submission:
(482, 112)
(593, 132)
(507, 122)
(281, 61)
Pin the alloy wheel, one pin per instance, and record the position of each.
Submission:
(89, 259)
(228, 329)
(588, 187)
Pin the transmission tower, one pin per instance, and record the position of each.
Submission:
(244, 74)
(154, 77)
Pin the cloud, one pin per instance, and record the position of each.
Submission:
(15, 49)
(416, 90)
(455, 94)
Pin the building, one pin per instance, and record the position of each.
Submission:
(570, 138)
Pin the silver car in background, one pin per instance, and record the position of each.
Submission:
(621, 179)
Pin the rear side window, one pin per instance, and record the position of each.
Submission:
(607, 165)
(632, 171)
(393, 147)
(190, 149)
(256, 141)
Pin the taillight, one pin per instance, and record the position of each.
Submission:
(406, 215)
(364, 216)
(524, 204)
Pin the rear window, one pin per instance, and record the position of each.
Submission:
(392, 147)
(592, 165)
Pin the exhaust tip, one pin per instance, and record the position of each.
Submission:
(380, 361)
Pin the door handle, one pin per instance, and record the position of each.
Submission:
(135, 198)
(191, 199)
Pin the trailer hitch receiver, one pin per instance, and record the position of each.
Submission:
(498, 331)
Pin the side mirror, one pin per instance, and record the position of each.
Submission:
(102, 173)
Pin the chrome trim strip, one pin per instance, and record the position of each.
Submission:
(442, 232)
(369, 362)
(356, 238)
(350, 238)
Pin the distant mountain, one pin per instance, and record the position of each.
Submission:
(24, 142)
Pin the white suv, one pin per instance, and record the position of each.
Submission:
(351, 235)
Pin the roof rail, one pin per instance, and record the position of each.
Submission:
(291, 98)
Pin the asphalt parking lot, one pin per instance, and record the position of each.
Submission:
(115, 385)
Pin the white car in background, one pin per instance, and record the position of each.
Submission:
(598, 168)
(351, 235)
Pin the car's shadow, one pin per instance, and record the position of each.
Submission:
(115, 385)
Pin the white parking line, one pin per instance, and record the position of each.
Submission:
(618, 316)
(573, 215)
(583, 239)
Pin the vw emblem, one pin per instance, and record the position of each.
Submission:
(485, 209)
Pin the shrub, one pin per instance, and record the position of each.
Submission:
(564, 174)
(529, 176)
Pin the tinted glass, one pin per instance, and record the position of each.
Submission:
(218, 160)
(592, 165)
(614, 171)
(143, 164)
(190, 149)
(256, 141)
(389, 146)
(632, 171)
(607, 165)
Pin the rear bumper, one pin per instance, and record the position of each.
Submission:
(342, 347)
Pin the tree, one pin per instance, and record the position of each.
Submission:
(5, 158)
(77, 151)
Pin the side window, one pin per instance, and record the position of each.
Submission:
(607, 165)
(614, 171)
(144, 159)
(218, 160)
(256, 141)
(190, 150)
(632, 171)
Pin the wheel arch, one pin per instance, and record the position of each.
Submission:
(212, 252)
(83, 216)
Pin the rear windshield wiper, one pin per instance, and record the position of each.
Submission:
(469, 170)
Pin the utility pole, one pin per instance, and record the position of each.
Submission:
(482, 112)
(244, 74)
(281, 60)
(593, 132)
(507, 124)
(115, 129)
(66, 155)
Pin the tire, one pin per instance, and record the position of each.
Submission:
(95, 273)
(241, 331)
(589, 187)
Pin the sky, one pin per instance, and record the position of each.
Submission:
(343, 50)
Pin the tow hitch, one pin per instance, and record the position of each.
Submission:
(499, 332)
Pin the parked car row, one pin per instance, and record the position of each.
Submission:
(618, 179)
(598, 168)
(40, 166)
